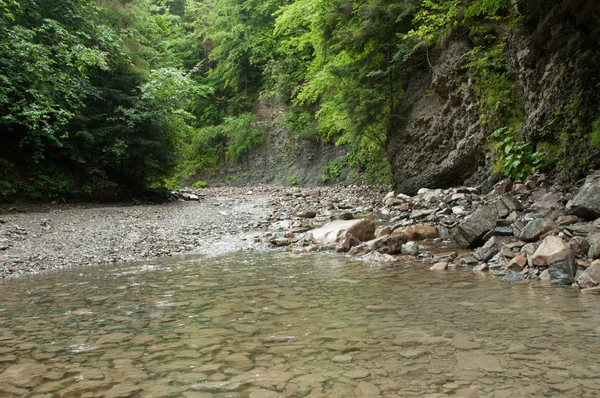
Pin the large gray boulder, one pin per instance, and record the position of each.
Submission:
(331, 233)
(586, 203)
(470, 232)
(563, 268)
(536, 228)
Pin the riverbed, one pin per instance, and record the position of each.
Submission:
(272, 324)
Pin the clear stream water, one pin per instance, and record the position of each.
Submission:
(280, 325)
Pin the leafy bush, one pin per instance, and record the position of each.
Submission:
(292, 180)
(331, 170)
(515, 158)
(200, 184)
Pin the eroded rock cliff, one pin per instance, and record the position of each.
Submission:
(551, 55)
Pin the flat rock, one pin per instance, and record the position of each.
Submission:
(464, 342)
(342, 358)
(239, 361)
(476, 360)
(357, 374)
(26, 375)
(113, 338)
(122, 391)
(414, 353)
(368, 389)
(441, 266)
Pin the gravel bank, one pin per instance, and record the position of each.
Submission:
(34, 238)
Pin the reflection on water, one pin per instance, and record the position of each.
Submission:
(275, 325)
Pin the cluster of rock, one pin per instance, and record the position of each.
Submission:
(520, 230)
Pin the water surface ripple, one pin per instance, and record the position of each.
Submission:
(275, 325)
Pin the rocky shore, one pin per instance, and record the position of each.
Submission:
(530, 230)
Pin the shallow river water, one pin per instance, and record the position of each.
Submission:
(276, 325)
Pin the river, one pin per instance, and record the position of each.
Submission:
(272, 324)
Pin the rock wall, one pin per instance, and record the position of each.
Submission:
(552, 56)
(282, 159)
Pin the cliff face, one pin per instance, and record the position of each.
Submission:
(282, 159)
(553, 61)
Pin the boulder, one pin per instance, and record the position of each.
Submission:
(503, 187)
(481, 267)
(543, 200)
(418, 232)
(586, 203)
(388, 196)
(593, 240)
(562, 268)
(579, 245)
(489, 249)
(551, 247)
(536, 228)
(346, 242)
(389, 244)
(590, 277)
(384, 231)
(392, 244)
(410, 248)
(441, 266)
(517, 264)
(511, 203)
(331, 233)
(559, 259)
(469, 260)
(393, 202)
(470, 232)
(380, 258)
(307, 214)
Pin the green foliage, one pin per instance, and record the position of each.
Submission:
(331, 171)
(200, 184)
(292, 180)
(242, 135)
(94, 95)
(228, 141)
(515, 159)
(300, 123)
(499, 102)
(595, 134)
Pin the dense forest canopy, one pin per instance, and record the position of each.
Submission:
(99, 97)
